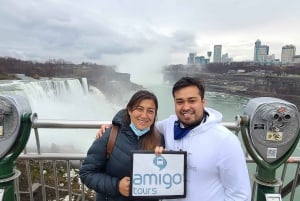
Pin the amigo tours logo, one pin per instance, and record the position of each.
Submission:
(160, 162)
(155, 175)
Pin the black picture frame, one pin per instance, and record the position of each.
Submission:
(158, 176)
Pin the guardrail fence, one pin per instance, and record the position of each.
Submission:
(55, 176)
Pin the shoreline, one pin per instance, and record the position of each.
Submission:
(246, 84)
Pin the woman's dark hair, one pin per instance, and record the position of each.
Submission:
(152, 138)
(189, 81)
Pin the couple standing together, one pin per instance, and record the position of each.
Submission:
(216, 165)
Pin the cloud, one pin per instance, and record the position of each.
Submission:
(111, 31)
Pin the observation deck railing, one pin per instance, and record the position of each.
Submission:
(54, 176)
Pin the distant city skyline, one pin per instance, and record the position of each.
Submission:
(261, 54)
(139, 37)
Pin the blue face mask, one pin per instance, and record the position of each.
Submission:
(180, 132)
(137, 131)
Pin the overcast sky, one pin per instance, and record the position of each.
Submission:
(144, 32)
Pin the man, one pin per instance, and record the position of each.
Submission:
(216, 165)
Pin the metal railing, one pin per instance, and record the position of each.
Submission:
(54, 176)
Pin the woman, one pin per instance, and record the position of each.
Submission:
(136, 131)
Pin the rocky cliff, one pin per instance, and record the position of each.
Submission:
(250, 85)
(111, 83)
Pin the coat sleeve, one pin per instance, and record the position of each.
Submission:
(92, 172)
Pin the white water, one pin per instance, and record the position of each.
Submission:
(66, 99)
(73, 99)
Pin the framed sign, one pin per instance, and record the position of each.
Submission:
(273, 197)
(158, 176)
(1, 194)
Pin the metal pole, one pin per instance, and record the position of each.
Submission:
(8, 173)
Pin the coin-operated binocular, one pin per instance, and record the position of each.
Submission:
(15, 126)
(270, 131)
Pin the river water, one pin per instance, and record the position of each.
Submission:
(73, 99)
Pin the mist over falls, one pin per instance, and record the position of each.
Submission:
(105, 78)
(65, 99)
(76, 99)
(61, 90)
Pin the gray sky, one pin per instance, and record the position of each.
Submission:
(144, 32)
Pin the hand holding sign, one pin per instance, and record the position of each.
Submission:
(124, 186)
(158, 150)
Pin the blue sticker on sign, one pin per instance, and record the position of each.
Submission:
(160, 162)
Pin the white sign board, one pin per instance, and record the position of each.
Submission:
(273, 197)
(1, 194)
(158, 176)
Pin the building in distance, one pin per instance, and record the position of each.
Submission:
(288, 54)
(193, 59)
(261, 56)
(217, 54)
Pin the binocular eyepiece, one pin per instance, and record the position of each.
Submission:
(280, 117)
(5, 108)
(273, 126)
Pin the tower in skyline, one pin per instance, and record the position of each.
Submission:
(288, 53)
(260, 52)
(256, 48)
(191, 58)
(217, 54)
(209, 55)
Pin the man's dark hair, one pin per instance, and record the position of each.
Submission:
(189, 81)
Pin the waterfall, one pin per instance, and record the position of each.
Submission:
(57, 98)
(66, 99)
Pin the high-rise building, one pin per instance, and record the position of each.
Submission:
(226, 58)
(217, 53)
(209, 55)
(191, 58)
(256, 47)
(200, 60)
(288, 53)
(260, 52)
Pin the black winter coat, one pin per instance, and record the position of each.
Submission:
(103, 175)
